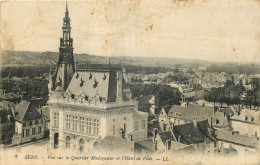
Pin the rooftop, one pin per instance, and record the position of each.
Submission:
(191, 112)
(188, 134)
(236, 138)
(26, 111)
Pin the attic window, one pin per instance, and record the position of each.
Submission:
(60, 82)
(72, 96)
(77, 75)
(81, 83)
(86, 98)
(104, 77)
(90, 76)
(95, 84)
(217, 121)
(100, 99)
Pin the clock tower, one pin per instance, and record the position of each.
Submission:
(66, 64)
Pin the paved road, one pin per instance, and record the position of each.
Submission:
(39, 146)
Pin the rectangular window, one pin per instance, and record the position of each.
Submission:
(136, 125)
(39, 130)
(23, 133)
(88, 124)
(74, 123)
(96, 126)
(56, 119)
(27, 132)
(33, 131)
(68, 122)
(81, 124)
(143, 124)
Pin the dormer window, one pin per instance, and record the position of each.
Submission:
(72, 96)
(90, 76)
(77, 75)
(95, 84)
(81, 83)
(104, 77)
(60, 82)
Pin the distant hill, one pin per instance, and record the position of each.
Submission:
(20, 58)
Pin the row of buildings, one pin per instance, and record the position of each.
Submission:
(92, 110)
(23, 122)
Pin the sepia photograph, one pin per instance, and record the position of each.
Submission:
(130, 82)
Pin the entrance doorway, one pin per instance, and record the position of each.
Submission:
(56, 140)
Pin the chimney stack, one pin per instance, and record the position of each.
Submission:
(195, 121)
(119, 92)
(9, 117)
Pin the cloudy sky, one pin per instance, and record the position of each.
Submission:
(216, 30)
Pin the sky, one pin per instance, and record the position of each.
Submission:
(215, 30)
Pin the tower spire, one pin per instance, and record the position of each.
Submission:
(66, 64)
(67, 7)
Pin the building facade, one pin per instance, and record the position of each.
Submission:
(92, 103)
(6, 123)
(29, 123)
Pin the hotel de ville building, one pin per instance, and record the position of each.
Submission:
(90, 102)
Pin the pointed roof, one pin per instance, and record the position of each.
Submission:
(67, 7)
(188, 133)
(167, 135)
(26, 111)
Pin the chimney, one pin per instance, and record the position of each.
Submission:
(119, 92)
(130, 136)
(155, 132)
(210, 121)
(168, 145)
(155, 145)
(179, 138)
(195, 121)
(9, 117)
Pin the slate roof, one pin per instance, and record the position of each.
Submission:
(236, 138)
(83, 82)
(188, 133)
(249, 113)
(113, 144)
(6, 104)
(147, 144)
(227, 111)
(45, 110)
(9, 96)
(179, 146)
(191, 111)
(26, 111)
(206, 130)
(167, 135)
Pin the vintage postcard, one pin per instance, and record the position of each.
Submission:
(130, 82)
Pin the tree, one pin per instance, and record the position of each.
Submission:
(167, 96)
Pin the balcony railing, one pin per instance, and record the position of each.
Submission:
(92, 103)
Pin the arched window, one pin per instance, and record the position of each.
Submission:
(68, 142)
(81, 145)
